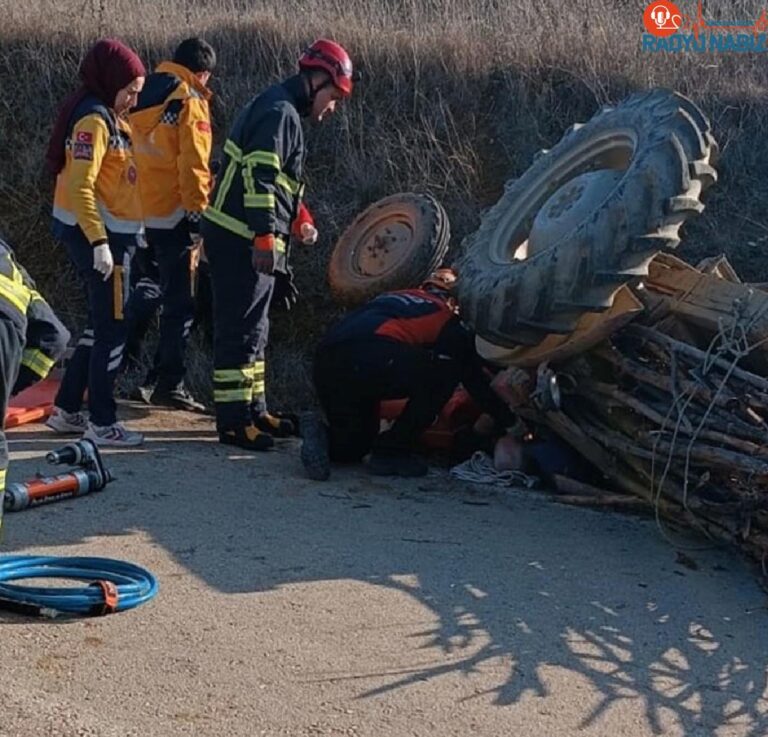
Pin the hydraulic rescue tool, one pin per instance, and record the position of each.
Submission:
(88, 476)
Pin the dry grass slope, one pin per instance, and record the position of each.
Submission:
(457, 96)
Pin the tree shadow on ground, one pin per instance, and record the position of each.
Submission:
(523, 588)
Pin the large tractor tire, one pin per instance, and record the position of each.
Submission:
(393, 244)
(586, 218)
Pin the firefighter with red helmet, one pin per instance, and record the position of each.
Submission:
(409, 344)
(254, 209)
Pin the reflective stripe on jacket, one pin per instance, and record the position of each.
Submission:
(260, 189)
(45, 337)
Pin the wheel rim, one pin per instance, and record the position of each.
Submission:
(383, 246)
(613, 150)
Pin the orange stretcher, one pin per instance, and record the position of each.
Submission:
(34, 404)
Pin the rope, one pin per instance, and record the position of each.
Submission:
(479, 469)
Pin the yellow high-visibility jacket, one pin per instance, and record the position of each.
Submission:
(171, 126)
(97, 190)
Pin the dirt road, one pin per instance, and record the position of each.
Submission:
(375, 608)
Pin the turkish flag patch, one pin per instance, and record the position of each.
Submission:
(84, 137)
(203, 126)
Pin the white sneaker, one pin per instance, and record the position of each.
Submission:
(116, 436)
(67, 422)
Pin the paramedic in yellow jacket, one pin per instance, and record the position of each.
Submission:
(97, 217)
(171, 127)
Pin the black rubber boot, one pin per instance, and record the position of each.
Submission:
(280, 427)
(247, 438)
(405, 465)
(314, 447)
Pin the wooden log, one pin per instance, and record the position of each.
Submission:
(672, 485)
(712, 456)
(615, 501)
(647, 376)
(670, 497)
(756, 400)
(640, 460)
(755, 417)
(578, 488)
(720, 267)
(675, 507)
(563, 426)
(694, 353)
(744, 446)
(729, 423)
(613, 392)
(657, 450)
(707, 302)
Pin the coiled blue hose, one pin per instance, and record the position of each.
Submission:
(114, 586)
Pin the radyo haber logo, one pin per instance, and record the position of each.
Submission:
(668, 31)
(662, 18)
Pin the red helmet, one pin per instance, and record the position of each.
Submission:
(328, 56)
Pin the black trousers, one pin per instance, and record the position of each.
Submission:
(11, 347)
(352, 378)
(186, 302)
(143, 304)
(173, 250)
(99, 351)
(241, 299)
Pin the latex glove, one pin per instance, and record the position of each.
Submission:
(308, 234)
(263, 254)
(103, 261)
(286, 294)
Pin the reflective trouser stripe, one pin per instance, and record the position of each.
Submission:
(232, 395)
(259, 379)
(233, 385)
(244, 373)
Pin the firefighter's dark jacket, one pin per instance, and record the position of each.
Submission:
(259, 189)
(418, 318)
(44, 335)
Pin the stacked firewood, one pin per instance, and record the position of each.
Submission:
(679, 426)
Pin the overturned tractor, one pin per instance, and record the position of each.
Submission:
(655, 368)
(651, 369)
